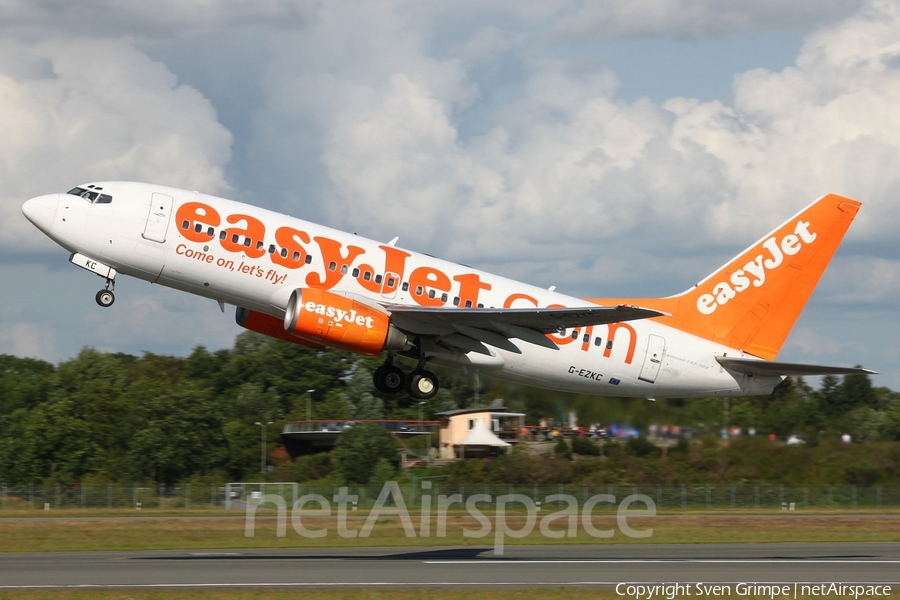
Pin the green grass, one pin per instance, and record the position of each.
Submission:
(122, 533)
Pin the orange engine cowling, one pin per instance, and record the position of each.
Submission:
(342, 322)
(270, 326)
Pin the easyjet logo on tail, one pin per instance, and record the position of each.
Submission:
(754, 272)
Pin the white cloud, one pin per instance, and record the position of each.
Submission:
(79, 110)
(565, 170)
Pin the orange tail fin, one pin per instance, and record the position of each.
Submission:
(752, 302)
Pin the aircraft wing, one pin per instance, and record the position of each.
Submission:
(752, 366)
(470, 328)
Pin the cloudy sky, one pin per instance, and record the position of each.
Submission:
(608, 147)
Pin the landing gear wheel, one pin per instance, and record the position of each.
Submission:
(105, 298)
(422, 385)
(388, 379)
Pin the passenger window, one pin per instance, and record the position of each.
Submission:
(211, 232)
(271, 248)
(355, 273)
(198, 227)
(223, 234)
(284, 253)
(343, 269)
(456, 301)
(405, 286)
(332, 266)
(260, 245)
(598, 342)
(609, 345)
(378, 279)
(308, 259)
(480, 305)
(431, 293)
(391, 282)
(574, 334)
(296, 255)
(248, 242)
(468, 304)
(419, 290)
(587, 338)
(367, 275)
(185, 225)
(444, 298)
(235, 238)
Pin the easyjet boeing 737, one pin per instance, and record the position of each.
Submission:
(311, 285)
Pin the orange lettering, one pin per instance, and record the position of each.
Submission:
(469, 287)
(196, 212)
(293, 255)
(255, 232)
(331, 253)
(394, 266)
(426, 277)
(514, 297)
(632, 338)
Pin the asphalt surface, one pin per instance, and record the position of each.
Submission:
(468, 567)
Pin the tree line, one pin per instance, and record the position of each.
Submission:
(112, 417)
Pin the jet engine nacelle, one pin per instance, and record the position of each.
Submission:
(270, 326)
(342, 322)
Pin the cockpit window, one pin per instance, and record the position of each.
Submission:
(92, 196)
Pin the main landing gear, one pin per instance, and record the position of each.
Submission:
(420, 384)
(106, 297)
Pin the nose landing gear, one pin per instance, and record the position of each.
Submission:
(106, 297)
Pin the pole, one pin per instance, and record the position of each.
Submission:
(725, 426)
(262, 449)
(421, 430)
(308, 404)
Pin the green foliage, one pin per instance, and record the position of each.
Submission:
(118, 418)
(585, 447)
(383, 471)
(359, 449)
(682, 446)
(641, 446)
(562, 448)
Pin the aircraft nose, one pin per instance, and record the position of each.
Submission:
(41, 210)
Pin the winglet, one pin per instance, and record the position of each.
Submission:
(753, 301)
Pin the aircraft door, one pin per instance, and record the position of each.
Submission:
(656, 348)
(158, 218)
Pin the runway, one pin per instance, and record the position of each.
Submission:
(468, 567)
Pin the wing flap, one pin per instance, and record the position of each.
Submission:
(752, 366)
(469, 329)
(543, 320)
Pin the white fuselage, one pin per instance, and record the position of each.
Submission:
(140, 234)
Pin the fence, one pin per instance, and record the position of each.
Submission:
(235, 496)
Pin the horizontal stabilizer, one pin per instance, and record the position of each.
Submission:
(752, 366)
